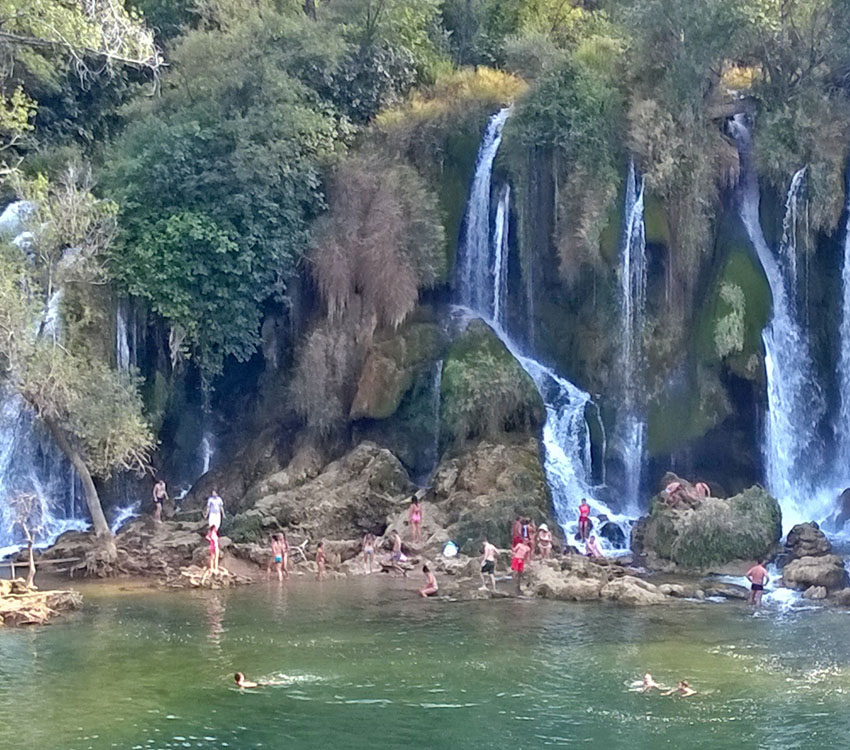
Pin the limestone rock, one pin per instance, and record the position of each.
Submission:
(712, 532)
(806, 540)
(815, 592)
(550, 584)
(390, 367)
(632, 591)
(483, 488)
(681, 591)
(351, 496)
(842, 597)
(725, 590)
(824, 570)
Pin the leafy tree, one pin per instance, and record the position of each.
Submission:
(220, 179)
(42, 37)
(93, 412)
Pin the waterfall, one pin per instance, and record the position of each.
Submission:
(631, 431)
(434, 447)
(475, 285)
(482, 287)
(207, 451)
(842, 428)
(791, 447)
(30, 462)
(122, 338)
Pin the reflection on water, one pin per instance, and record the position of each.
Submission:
(365, 664)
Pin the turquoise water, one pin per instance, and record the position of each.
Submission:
(365, 664)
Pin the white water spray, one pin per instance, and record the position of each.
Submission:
(791, 446)
(483, 293)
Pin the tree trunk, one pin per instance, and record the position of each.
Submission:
(310, 9)
(101, 528)
(31, 560)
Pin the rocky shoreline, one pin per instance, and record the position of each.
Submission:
(675, 548)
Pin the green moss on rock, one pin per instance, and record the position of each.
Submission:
(716, 532)
(484, 390)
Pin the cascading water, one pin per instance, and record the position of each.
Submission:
(842, 428)
(791, 446)
(434, 447)
(122, 338)
(30, 462)
(482, 269)
(631, 424)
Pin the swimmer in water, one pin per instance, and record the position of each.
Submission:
(649, 683)
(242, 683)
(683, 689)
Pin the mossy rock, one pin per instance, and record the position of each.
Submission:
(251, 526)
(744, 527)
(655, 221)
(485, 391)
(391, 367)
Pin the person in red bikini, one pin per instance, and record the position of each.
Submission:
(583, 520)
(519, 554)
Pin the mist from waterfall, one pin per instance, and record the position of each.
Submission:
(631, 420)
(791, 446)
(841, 469)
(483, 291)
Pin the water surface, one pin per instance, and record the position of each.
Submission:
(365, 664)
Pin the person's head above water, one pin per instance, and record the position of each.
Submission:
(239, 678)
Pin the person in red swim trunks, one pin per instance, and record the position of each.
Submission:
(516, 532)
(519, 554)
(584, 520)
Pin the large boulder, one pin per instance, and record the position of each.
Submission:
(390, 367)
(632, 591)
(482, 489)
(351, 496)
(824, 570)
(711, 533)
(806, 540)
(548, 583)
(485, 392)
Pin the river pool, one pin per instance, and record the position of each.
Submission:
(365, 664)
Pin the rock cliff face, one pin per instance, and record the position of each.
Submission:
(710, 533)
(810, 566)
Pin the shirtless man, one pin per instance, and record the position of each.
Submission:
(584, 520)
(758, 578)
(431, 587)
(241, 682)
(159, 495)
(488, 565)
(649, 683)
(397, 557)
(519, 554)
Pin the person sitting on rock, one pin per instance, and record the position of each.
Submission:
(430, 588)
(758, 578)
(702, 490)
(591, 548)
(544, 542)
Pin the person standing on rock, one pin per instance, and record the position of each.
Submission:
(159, 496)
(320, 561)
(544, 542)
(278, 555)
(414, 517)
(584, 520)
(518, 556)
(758, 578)
(516, 532)
(488, 565)
(215, 548)
(215, 510)
(368, 553)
